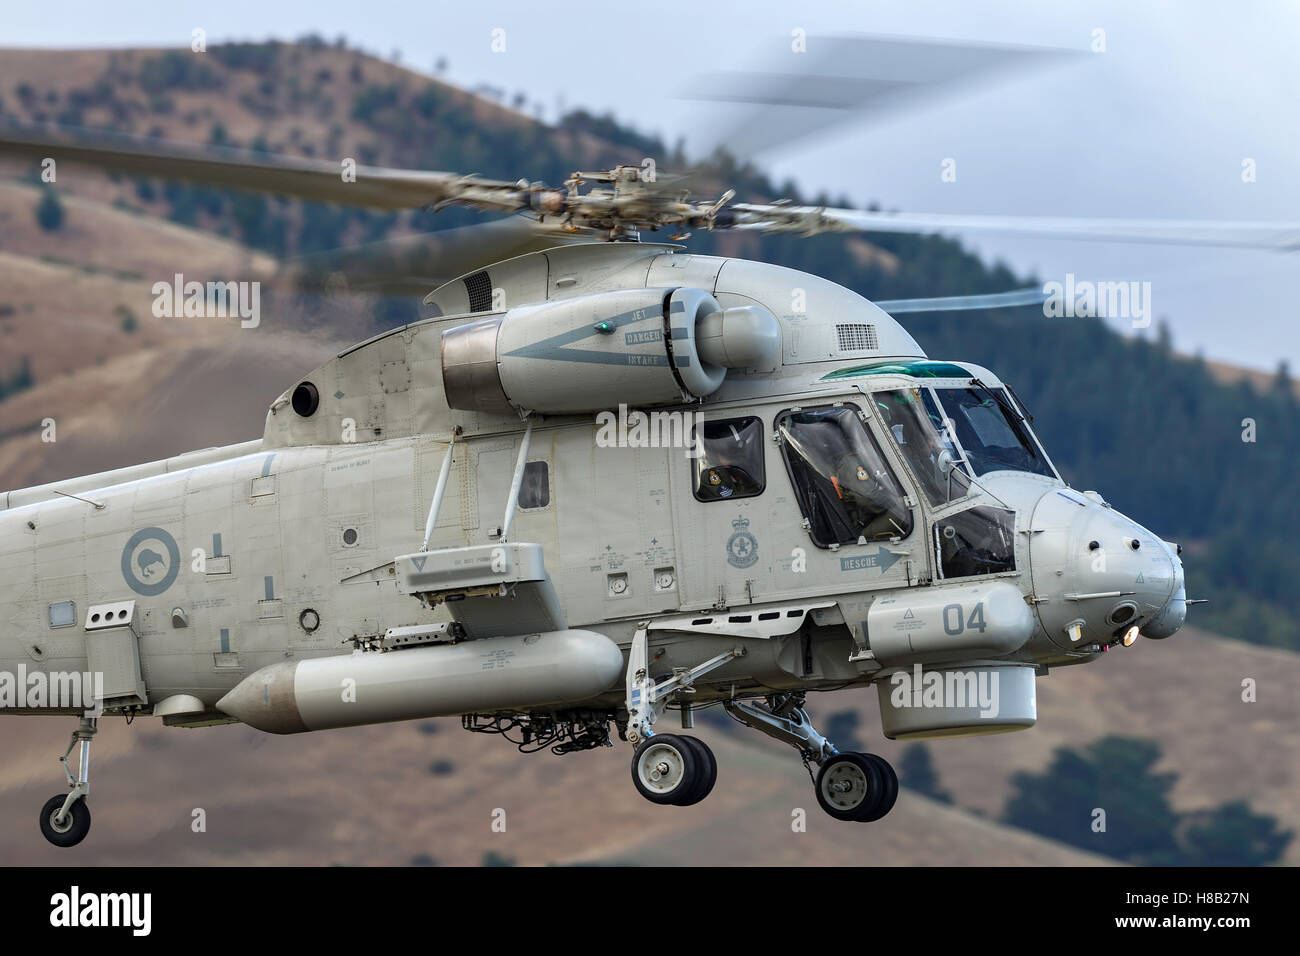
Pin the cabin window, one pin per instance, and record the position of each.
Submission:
(727, 459)
(63, 614)
(845, 488)
(535, 489)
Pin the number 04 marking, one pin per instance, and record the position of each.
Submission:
(955, 620)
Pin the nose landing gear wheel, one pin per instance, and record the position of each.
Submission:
(74, 826)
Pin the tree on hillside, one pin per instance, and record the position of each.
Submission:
(916, 772)
(49, 211)
(21, 378)
(1282, 382)
(1113, 775)
(842, 729)
(1234, 836)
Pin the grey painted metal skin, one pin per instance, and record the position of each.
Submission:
(276, 552)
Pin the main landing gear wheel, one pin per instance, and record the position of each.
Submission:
(847, 786)
(857, 787)
(850, 786)
(706, 772)
(674, 771)
(889, 792)
(72, 828)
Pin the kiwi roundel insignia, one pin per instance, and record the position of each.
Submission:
(150, 561)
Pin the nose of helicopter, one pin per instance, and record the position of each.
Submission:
(1098, 576)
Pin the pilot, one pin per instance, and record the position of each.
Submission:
(864, 496)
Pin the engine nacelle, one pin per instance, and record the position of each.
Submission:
(637, 347)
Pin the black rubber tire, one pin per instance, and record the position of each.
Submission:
(72, 833)
(870, 782)
(707, 772)
(678, 752)
(888, 793)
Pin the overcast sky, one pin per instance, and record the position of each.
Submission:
(1156, 126)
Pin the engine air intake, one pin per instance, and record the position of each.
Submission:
(637, 347)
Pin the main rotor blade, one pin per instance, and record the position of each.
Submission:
(963, 303)
(374, 186)
(810, 220)
(415, 265)
(843, 78)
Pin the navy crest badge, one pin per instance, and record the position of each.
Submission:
(742, 547)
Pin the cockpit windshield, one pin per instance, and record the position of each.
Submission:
(991, 431)
(916, 423)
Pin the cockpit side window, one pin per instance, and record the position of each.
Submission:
(918, 428)
(976, 541)
(844, 486)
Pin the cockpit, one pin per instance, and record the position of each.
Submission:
(951, 433)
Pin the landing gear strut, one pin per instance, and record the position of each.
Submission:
(849, 786)
(668, 769)
(65, 818)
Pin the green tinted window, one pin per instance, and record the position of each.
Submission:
(914, 369)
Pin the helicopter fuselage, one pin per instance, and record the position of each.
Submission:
(829, 519)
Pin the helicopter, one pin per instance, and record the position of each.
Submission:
(603, 481)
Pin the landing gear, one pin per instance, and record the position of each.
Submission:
(676, 770)
(673, 770)
(65, 819)
(858, 787)
(64, 828)
(667, 769)
(888, 794)
(849, 786)
(706, 772)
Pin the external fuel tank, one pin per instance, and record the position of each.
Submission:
(442, 680)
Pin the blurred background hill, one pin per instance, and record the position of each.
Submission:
(1160, 434)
